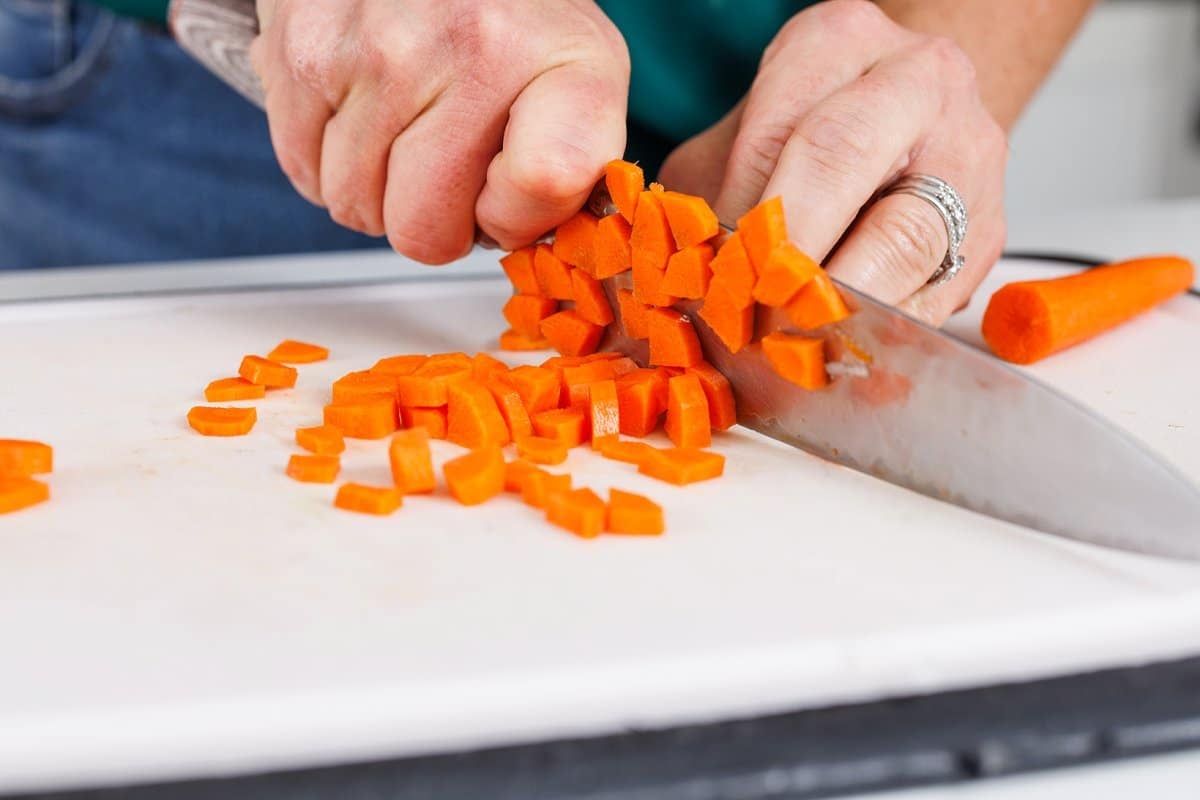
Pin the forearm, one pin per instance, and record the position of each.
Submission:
(1014, 44)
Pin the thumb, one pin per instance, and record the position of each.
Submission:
(698, 165)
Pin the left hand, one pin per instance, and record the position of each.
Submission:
(846, 101)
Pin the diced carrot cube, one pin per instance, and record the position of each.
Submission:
(515, 342)
(633, 314)
(539, 486)
(687, 425)
(690, 218)
(539, 387)
(604, 411)
(542, 450)
(689, 272)
(641, 398)
(17, 493)
(732, 266)
(614, 253)
(722, 410)
(428, 386)
(525, 313)
(786, 272)
(378, 500)
(591, 302)
(399, 365)
(732, 323)
(673, 340)
(631, 513)
(518, 266)
(627, 452)
(221, 421)
(515, 473)
(20, 458)
(625, 183)
(371, 417)
(227, 390)
(762, 228)
(412, 461)
(324, 440)
(477, 476)
(571, 334)
(818, 303)
(575, 241)
(580, 511)
(651, 241)
(512, 408)
(798, 359)
(356, 385)
(472, 418)
(576, 380)
(568, 425)
(308, 468)
(289, 351)
(680, 466)
(265, 372)
(553, 275)
(433, 420)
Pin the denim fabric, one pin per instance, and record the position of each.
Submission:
(116, 147)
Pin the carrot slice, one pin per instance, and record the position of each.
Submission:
(763, 228)
(687, 413)
(378, 500)
(571, 334)
(613, 252)
(20, 458)
(673, 340)
(433, 420)
(604, 411)
(576, 380)
(518, 266)
(472, 418)
(542, 450)
(633, 514)
(485, 368)
(539, 387)
(627, 452)
(399, 365)
(798, 359)
(732, 266)
(656, 187)
(539, 486)
(439, 361)
(525, 313)
(689, 271)
(289, 351)
(515, 342)
(412, 462)
(19, 492)
(722, 411)
(265, 372)
(221, 421)
(552, 273)
(641, 400)
(818, 303)
(633, 315)
(226, 390)
(1029, 320)
(512, 408)
(690, 218)
(428, 386)
(651, 238)
(575, 241)
(355, 385)
(591, 302)
(682, 466)
(786, 272)
(603, 355)
(324, 440)
(567, 425)
(580, 511)
(623, 366)
(515, 473)
(372, 417)
(625, 183)
(477, 476)
(308, 468)
(732, 322)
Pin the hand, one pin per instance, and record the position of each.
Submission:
(423, 119)
(844, 102)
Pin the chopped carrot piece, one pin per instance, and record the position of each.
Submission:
(477, 476)
(308, 468)
(673, 340)
(568, 425)
(541, 450)
(20, 458)
(17, 493)
(732, 322)
(786, 272)
(265, 372)
(354, 385)
(656, 187)
(539, 387)
(604, 355)
(690, 218)
(604, 411)
(514, 474)
(633, 514)
(512, 408)
(627, 452)
(525, 313)
(472, 418)
(763, 228)
(591, 302)
(484, 367)
(378, 500)
(625, 184)
(623, 366)
(372, 417)
(433, 420)
(687, 413)
(571, 334)
(681, 466)
(324, 440)
(818, 303)
(227, 390)
(399, 365)
(428, 386)
(560, 362)
(220, 421)
(580, 511)
(648, 286)
(539, 486)
(732, 265)
(633, 314)
(576, 380)
(518, 266)
(575, 241)
(515, 342)
(439, 361)
(651, 238)
(289, 351)
(797, 358)
(614, 253)
(552, 273)
(689, 271)
(412, 461)
(641, 399)
(722, 411)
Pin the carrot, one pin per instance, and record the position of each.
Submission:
(1029, 320)
(412, 462)
(650, 239)
(732, 266)
(324, 440)
(539, 486)
(477, 476)
(378, 500)
(575, 241)
(633, 514)
(580, 511)
(625, 183)
(633, 314)
(355, 385)
(762, 228)
(682, 466)
(732, 322)
(433, 420)
(518, 266)
(656, 187)
(313, 468)
(687, 413)
(691, 220)
(427, 387)
(515, 342)
(627, 452)
(567, 425)
(485, 368)
(227, 390)
(576, 381)
(221, 421)
(515, 473)
(722, 410)
(818, 303)
(571, 334)
(673, 340)
(786, 272)
(539, 387)
(265, 372)
(613, 251)
(591, 302)
(20, 458)
(512, 408)
(641, 400)
(17, 493)
(371, 417)
(648, 286)
(472, 418)
(604, 411)
(797, 358)
(399, 365)
(438, 361)
(689, 271)
(541, 450)
(525, 313)
(289, 351)
(552, 273)
(623, 366)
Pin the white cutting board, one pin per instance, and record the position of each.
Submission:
(182, 608)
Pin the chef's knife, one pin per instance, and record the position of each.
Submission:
(906, 403)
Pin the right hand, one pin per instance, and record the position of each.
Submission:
(424, 120)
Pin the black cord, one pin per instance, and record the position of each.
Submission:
(1066, 258)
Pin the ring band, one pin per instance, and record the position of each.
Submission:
(953, 211)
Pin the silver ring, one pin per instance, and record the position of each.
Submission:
(953, 211)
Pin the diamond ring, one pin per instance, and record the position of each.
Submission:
(953, 211)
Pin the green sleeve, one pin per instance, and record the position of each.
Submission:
(152, 10)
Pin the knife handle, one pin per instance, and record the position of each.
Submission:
(218, 33)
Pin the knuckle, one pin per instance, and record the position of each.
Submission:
(309, 49)
(911, 239)
(838, 138)
(950, 60)
(852, 17)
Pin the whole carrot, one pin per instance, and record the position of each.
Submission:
(1029, 320)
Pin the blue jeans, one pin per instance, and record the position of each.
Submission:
(116, 147)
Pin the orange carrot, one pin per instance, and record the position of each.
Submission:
(580, 511)
(633, 514)
(378, 500)
(221, 421)
(485, 368)
(762, 228)
(476, 477)
(371, 417)
(354, 385)
(512, 408)
(656, 187)
(324, 440)
(797, 358)
(20, 458)
(427, 387)
(571, 334)
(539, 387)
(552, 273)
(1029, 320)
(513, 341)
(681, 466)
(722, 411)
(732, 322)
(412, 462)
(541, 450)
(651, 240)
(567, 425)
(525, 313)
(591, 302)
(604, 411)
(433, 420)
(613, 253)
(515, 473)
(691, 220)
(687, 413)
(575, 241)
(472, 418)
(673, 340)
(265, 372)
(439, 361)
(313, 468)
(539, 486)
(641, 400)
(689, 271)
(625, 184)
(633, 315)
(518, 266)
(576, 380)
(289, 351)
(227, 390)
(603, 355)
(18, 493)
(627, 452)
(622, 365)
(732, 266)
(786, 272)
(648, 286)
(399, 365)
(818, 303)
